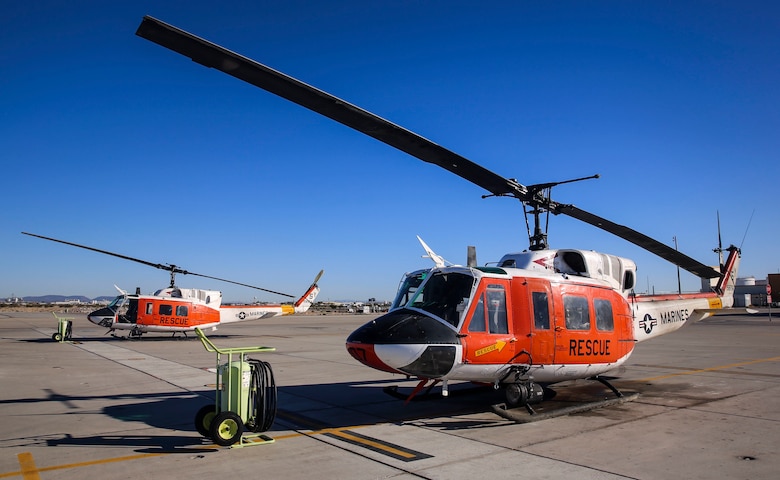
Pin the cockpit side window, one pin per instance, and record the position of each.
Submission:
(477, 323)
(494, 320)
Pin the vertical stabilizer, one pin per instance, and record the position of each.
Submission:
(307, 299)
(727, 283)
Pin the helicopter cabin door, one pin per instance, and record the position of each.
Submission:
(540, 301)
(487, 331)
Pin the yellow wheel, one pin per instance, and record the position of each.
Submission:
(226, 428)
(203, 419)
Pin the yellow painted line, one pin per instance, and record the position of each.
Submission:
(711, 369)
(29, 470)
(24, 473)
(373, 444)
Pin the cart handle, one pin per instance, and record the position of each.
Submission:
(225, 351)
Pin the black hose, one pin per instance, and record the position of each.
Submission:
(518, 370)
(262, 397)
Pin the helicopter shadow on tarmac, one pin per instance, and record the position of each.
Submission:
(468, 406)
(338, 405)
(308, 409)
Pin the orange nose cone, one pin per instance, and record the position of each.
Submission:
(365, 354)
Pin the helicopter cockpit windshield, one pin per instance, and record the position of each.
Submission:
(125, 309)
(118, 310)
(118, 304)
(444, 294)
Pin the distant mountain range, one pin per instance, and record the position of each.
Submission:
(65, 298)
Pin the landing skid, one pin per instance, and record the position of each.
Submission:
(531, 415)
(135, 333)
(422, 393)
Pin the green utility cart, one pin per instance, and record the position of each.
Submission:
(64, 328)
(245, 399)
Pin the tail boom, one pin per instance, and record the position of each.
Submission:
(655, 315)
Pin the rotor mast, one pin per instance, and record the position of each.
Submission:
(536, 201)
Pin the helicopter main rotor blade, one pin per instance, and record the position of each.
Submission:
(238, 283)
(169, 268)
(124, 257)
(214, 56)
(653, 246)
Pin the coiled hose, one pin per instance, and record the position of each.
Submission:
(262, 397)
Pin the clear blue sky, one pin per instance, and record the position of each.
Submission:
(114, 142)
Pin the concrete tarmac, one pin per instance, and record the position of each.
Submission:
(101, 407)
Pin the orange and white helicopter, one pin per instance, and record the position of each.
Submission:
(180, 310)
(538, 317)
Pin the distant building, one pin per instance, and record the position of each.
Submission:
(750, 292)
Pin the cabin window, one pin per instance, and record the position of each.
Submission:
(165, 309)
(604, 319)
(541, 310)
(181, 310)
(149, 308)
(493, 318)
(577, 312)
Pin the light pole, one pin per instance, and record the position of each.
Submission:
(679, 287)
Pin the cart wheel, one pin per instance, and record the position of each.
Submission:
(57, 337)
(203, 419)
(226, 428)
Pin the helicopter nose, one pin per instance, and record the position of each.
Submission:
(103, 317)
(408, 342)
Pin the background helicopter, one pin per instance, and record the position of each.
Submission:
(180, 310)
(541, 316)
